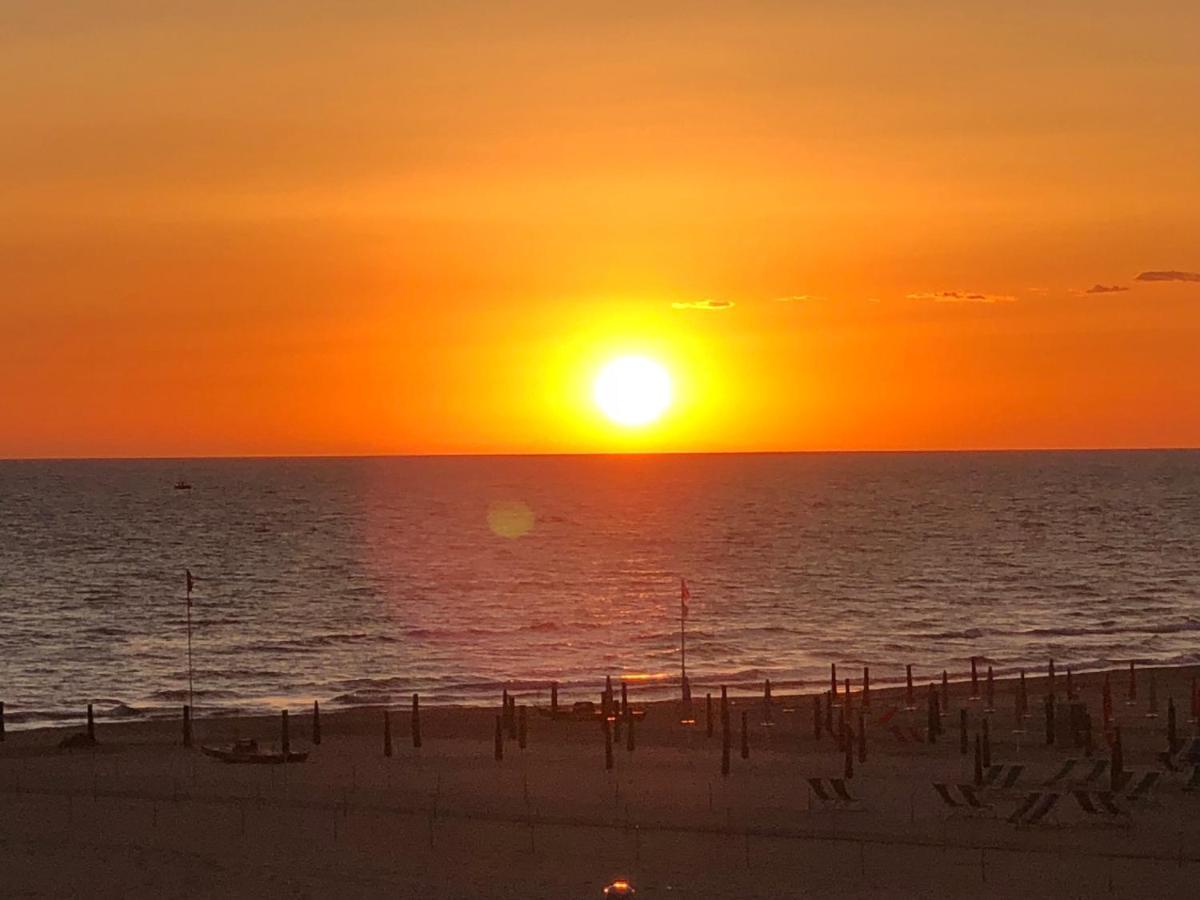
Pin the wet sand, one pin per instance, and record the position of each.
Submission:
(139, 815)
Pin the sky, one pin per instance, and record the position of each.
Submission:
(343, 228)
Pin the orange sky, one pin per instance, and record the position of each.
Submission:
(305, 229)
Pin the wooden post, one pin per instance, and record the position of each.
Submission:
(285, 743)
(1172, 741)
(316, 724)
(608, 697)
(624, 699)
(387, 734)
(553, 699)
(833, 681)
(522, 727)
(816, 717)
(416, 721)
(745, 737)
(1024, 696)
(862, 736)
(511, 716)
(866, 691)
(1106, 707)
(987, 744)
(726, 737)
(978, 761)
(962, 730)
(91, 725)
(931, 716)
(1116, 767)
(1051, 674)
(187, 725)
(608, 750)
(974, 680)
(708, 715)
(945, 694)
(1, 721)
(767, 702)
(908, 690)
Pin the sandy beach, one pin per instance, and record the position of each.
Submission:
(140, 815)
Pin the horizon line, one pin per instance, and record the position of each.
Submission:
(610, 453)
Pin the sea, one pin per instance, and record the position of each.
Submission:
(357, 581)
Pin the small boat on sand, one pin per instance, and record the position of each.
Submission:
(248, 752)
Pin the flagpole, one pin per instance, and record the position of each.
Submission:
(191, 702)
(685, 689)
(682, 651)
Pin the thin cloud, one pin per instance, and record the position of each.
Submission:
(1169, 275)
(961, 297)
(713, 305)
(798, 298)
(1106, 289)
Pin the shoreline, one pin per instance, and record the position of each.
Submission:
(740, 691)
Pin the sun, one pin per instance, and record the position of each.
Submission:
(633, 390)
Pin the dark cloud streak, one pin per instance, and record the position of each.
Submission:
(1169, 275)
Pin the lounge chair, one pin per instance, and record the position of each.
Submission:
(1061, 773)
(1010, 780)
(1141, 791)
(947, 798)
(1109, 804)
(1193, 783)
(839, 798)
(1170, 761)
(990, 776)
(1037, 815)
(1099, 767)
(839, 788)
(974, 802)
(817, 786)
(1024, 807)
(1102, 812)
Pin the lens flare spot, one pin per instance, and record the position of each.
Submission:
(509, 518)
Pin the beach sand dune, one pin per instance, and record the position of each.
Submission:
(139, 815)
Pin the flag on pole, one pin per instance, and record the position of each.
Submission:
(684, 596)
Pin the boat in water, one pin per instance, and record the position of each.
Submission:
(182, 485)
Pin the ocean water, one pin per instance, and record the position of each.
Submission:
(357, 581)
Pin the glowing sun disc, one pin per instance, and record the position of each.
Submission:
(633, 390)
